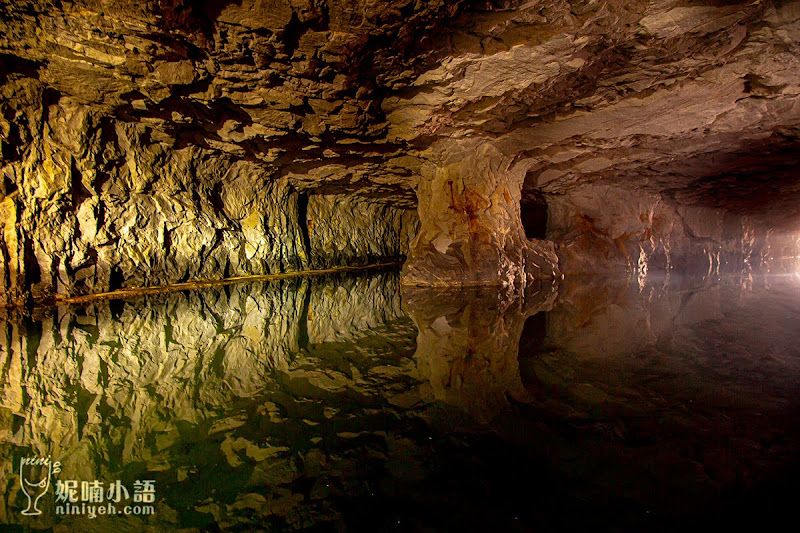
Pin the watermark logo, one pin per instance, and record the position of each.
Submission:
(96, 498)
(35, 474)
(88, 498)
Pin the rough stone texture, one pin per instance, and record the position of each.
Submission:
(610, 229)
(661, 96)
(99, 205)
(470, 227)
(660, 133)
(690, 105)
(383, 232)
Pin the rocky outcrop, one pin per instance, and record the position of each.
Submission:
(696, 102)
(470, 227)
(684, 115)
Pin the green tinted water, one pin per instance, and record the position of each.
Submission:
(344, 403)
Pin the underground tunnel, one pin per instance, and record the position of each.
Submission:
(318, 265)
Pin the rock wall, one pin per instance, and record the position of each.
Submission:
(605, 229)
(179, 121)
(344, 232)
(470, 228)
(90, 205)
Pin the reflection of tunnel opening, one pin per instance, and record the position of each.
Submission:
(531, 344)
(533, 211)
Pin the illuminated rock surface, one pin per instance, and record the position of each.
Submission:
(154, 142)
(322, 404)
(595, 204)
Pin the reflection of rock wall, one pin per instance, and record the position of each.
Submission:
(118, 384)
(682, 388)
(173, 359)
(338, 311)
(780, 253)
(468, 344)
(608, 319)
(679, 337)
(90, 204)
(611, 229)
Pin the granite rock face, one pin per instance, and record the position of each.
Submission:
(113, 113)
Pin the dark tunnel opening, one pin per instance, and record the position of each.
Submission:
(302, 216)
(533, 212)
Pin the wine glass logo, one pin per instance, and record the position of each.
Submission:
(34, 476)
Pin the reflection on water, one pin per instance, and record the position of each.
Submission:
(343, 403)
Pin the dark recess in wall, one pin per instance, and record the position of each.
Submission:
(302, 216)
(533, 211)
(116, 279)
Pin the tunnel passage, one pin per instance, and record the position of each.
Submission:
(533, 211)
(303, 220)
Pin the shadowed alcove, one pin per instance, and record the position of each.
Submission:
(533, 212)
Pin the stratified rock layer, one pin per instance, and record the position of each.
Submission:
(111, 113)
(98, 206)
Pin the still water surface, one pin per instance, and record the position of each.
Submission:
(345, 404)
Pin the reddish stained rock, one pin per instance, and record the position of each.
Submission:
(470, 227)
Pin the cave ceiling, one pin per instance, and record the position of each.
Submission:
(697, 101)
